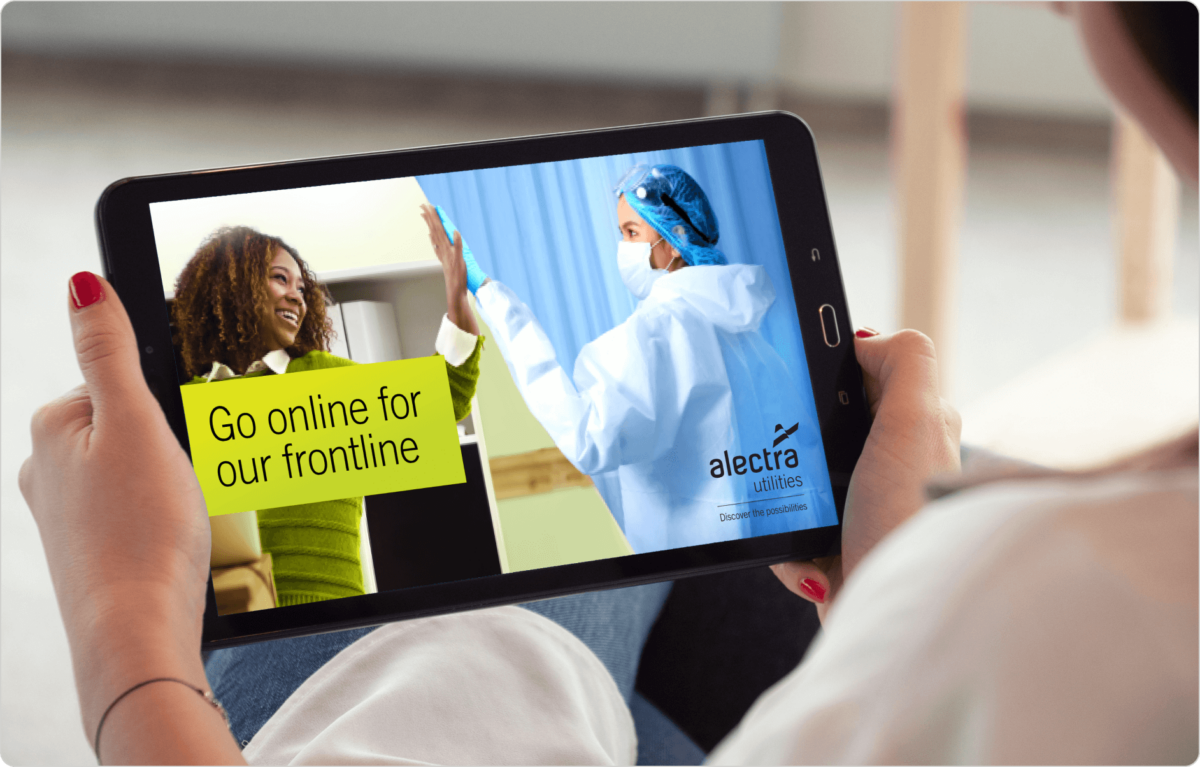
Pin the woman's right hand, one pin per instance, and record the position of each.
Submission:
(454, 269)
(447, 252)
(914, 437)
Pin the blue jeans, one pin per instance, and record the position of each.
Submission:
(253, 681)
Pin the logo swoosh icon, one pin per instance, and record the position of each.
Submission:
(786, 432)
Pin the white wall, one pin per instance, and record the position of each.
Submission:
(647, 42)
(334, 227)
(1024, 57)
(839, 49)
(1021, 57)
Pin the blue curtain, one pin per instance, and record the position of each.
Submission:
(549, 232)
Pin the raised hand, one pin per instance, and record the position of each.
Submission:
(475, 276)
(454, 269)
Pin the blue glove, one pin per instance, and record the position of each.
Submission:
(475, 275)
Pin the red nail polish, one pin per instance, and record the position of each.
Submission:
(86, 290)
(813, 589)
(866, 333)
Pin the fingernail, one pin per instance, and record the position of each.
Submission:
(866, 333)
(86, 290)
(814, 589)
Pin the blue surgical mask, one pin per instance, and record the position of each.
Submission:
(633, 262)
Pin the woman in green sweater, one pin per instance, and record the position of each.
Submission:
(247, 305)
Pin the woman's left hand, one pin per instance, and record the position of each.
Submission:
(120, 513)
(914, 437)
(454, 269)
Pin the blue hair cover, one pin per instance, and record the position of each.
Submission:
(675, 206)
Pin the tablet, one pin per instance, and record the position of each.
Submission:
(662, 382)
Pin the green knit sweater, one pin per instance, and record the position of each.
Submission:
(314, 547)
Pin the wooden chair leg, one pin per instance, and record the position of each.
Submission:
(929, 145)
(1147, 219)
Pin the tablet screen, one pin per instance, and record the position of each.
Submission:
(627, 375)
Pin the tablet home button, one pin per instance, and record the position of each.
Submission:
(829, 326)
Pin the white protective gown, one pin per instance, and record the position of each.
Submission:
(660, 406)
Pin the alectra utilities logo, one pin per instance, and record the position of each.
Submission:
(756, 463)
(786, 432)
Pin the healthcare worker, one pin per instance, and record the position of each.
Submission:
(683, 414)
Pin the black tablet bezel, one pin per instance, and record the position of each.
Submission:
(130, 262)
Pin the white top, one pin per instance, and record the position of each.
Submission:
(453, 343)
(1025, 622)
(499, 686)
(1031, 621)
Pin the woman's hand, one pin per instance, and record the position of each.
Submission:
(123, 524)
(914, 437)
(454, 269)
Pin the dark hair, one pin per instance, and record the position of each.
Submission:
(221, 297)
(1165, 33)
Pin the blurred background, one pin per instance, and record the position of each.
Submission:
(981, 187)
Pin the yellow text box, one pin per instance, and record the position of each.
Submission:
(320, 435)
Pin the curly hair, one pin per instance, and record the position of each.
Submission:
(221, 297)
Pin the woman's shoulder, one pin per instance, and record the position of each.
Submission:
(318, 360)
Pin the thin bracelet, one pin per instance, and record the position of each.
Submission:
(208, 697)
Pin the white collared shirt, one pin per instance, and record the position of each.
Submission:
(453, 343)
(277, 361)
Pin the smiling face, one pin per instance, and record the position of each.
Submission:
(635, 229)
(285, 307)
